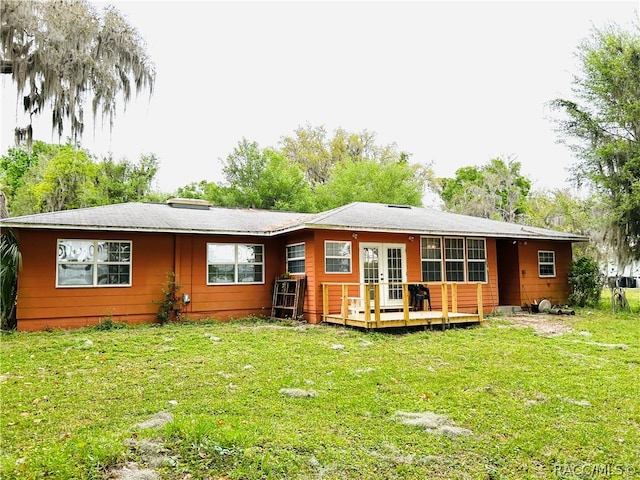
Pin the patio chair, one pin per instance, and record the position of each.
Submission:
(418, 294)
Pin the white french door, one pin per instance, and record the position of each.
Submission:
(384, 263)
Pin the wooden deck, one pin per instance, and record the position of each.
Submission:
(371, 315)
(396, 319)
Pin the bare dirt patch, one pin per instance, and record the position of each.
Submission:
(431, 423)
(543, 324)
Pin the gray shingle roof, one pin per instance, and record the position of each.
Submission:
(360, 216)
(159, 217)
(425, 221)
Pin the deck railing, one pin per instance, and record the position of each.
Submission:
(363, 300)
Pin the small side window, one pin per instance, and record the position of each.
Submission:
(546, 263)
(337, 257)
(296, 258)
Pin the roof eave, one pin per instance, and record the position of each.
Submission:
(95, 228)
(523, 236)
(304, 226)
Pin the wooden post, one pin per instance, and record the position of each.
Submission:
(454, 297)
(445, 304)
(405, 302)
(376, 302)
(325, 301)
(345, 302)
(367, 304)
(480, 306)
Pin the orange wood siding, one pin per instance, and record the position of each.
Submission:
(533, 287)
(41, 305)
(154, 256)
(317, 272)
(224, 302)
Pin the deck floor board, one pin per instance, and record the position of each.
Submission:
(396, 319)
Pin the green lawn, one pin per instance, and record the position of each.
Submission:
(632, 294)
(566, 406)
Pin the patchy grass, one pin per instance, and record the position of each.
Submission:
(528, 406)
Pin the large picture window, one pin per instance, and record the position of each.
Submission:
(295, 258)
(337, 257)
(546, 263)
(229, 263)
(93, 263)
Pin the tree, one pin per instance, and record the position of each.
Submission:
(496, 190)
(312, 172)
(602, 127)
(243, 169)
(67, 181)
(123, 181)
(351, 180)
(15, 164)
(22, 170)
(561, 210)
(59, 177)
(309, 149)
(59, 52)
(317, 155)
(263, 179)
(204, 190)
(282, 186)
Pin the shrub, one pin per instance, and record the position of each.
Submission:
(586, 282)
(171, 304)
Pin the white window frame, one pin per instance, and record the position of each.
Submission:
(338, 257)
(477, 260)
(424, 259)
(91, 261)
(546, 263)
(236, 263)
(296, 259)
(462, 260)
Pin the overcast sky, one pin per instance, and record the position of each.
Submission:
(453, 83)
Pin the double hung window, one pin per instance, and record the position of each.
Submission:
(337, 257)
(476, 260)
(431, 259)
(454, 259)
(546, 263)
(295, 258)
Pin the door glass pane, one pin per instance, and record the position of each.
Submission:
(394, 273)
(371, 265)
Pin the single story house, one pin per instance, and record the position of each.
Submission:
(82, 266)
